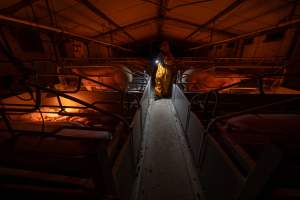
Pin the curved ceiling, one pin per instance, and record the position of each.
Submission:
(128, 21)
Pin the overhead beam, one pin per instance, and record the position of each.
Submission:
(153, 2)
(125, 27)
(16, 7)
(99, 13)
(57, 17)
(200, 26)
(19, 22)
(161, 13)
(187, 4)
(177, 6)
(137, 23)
(228, 9)
(283, 25)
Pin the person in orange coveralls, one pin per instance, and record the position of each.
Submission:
(165, 72)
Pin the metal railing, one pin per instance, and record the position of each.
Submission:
(259, 80)
(181, 105)
(230, 171)
(19, 108)
(139, 121)
(35, 89)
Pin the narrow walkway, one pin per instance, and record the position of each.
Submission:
(166, 165)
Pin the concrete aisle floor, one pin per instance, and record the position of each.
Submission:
(166, 168)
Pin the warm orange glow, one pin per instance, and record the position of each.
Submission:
(205, 81)
(107, 75)
(51, 117)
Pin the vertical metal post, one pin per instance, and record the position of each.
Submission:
(5, 40)
(51, 36)
(206, 104)
(261, 85)
(88, 49)
(8, 125)
(60, 104)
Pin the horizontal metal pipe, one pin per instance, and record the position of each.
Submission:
(258, 32)
(250, 110)
(66, 59)
(99, 83)
(79, 101)
(21, 22)
(55, 133)
(229, 58)
(26, 110)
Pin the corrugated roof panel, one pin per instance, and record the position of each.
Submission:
(200, 13)
(142, 32)
(125, 11)
(256, 14)
(72, 15)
